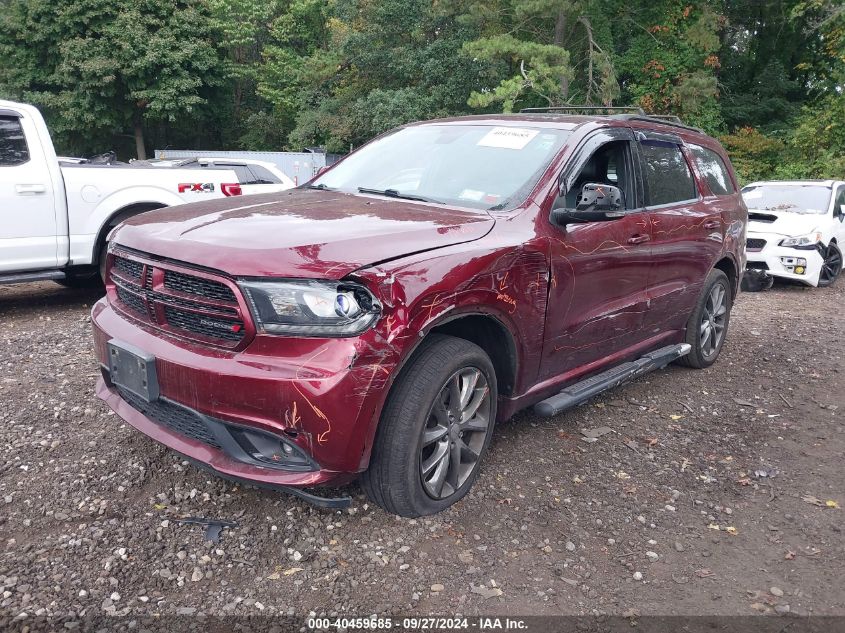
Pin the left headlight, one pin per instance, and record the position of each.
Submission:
(311, 307)
(804, 242)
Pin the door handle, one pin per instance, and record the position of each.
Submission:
(712, 224)
(30, 189)
(639, 239)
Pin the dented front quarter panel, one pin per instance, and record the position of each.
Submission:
(505, 276)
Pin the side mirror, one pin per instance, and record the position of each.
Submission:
(597, 203)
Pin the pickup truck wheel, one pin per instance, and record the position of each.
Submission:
(708, 323)
(435, 429)
(831, 267)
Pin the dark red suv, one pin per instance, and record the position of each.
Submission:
(378, 321)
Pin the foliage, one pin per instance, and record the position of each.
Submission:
(768, 77)
(102, 67)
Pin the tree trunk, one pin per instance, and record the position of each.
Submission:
(140, 150)
(560, 35)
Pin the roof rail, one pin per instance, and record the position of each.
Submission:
(577, 109)
(629, 113)
(663, 119)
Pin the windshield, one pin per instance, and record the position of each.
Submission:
(480, 166)
(792, 198)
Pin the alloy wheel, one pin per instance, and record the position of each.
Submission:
(455, 432)
(713, 321)
(832, 265)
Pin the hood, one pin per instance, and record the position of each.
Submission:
(785, 223)
(299, 233)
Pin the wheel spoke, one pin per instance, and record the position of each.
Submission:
(469, 380)
(472, 407)
(474, 425)
(454, 466)
(435, 484)
(440, 412)
(467, 454)
(455, 394)
(431, 435)
(440, 454)
(705, 338)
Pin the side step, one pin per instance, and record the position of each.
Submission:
(586, 389)
(25, 278)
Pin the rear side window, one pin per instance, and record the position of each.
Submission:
(13, 148)
(245, 176)
(714, 170)
(263, 176)
(667, 173)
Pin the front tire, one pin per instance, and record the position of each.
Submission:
(831, 267)
(707, 326)
(434, 430)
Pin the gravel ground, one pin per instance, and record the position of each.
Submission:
(710, 493)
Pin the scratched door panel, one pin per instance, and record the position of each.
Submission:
(598, 292)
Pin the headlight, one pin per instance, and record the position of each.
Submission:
(311, 308)
(802, 241)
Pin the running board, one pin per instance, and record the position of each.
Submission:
(582, 391)
(25, 278)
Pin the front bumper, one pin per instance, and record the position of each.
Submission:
(783, 261)
(321, 396)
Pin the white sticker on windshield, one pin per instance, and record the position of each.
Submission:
(471, 194)
(508, 137)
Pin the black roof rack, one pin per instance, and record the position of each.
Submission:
(629, 113)
(578, 109)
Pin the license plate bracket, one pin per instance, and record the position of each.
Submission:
(133, 369)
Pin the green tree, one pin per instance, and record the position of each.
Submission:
(554, 52)
(105, 67)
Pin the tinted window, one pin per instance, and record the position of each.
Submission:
(245, 176)
(668, 175)
(13, 149)
(713, 169)
(263, 176)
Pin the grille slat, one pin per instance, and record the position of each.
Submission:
(213, 316)
(129, 267)
(198, 286)
(172, 417)
(132, 301)
(755, 244)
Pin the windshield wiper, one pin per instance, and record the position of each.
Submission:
(392, 193)
(321, 187)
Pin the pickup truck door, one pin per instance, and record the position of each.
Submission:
(28, 230)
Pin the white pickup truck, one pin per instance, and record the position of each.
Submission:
(55, 216)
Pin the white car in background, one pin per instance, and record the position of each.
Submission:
(796, 229)
(255, 176)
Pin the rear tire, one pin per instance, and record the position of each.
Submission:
(435, 429)
(707, 326)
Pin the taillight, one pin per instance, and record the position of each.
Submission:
(231, 189)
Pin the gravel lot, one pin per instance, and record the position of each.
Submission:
(703, 497)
